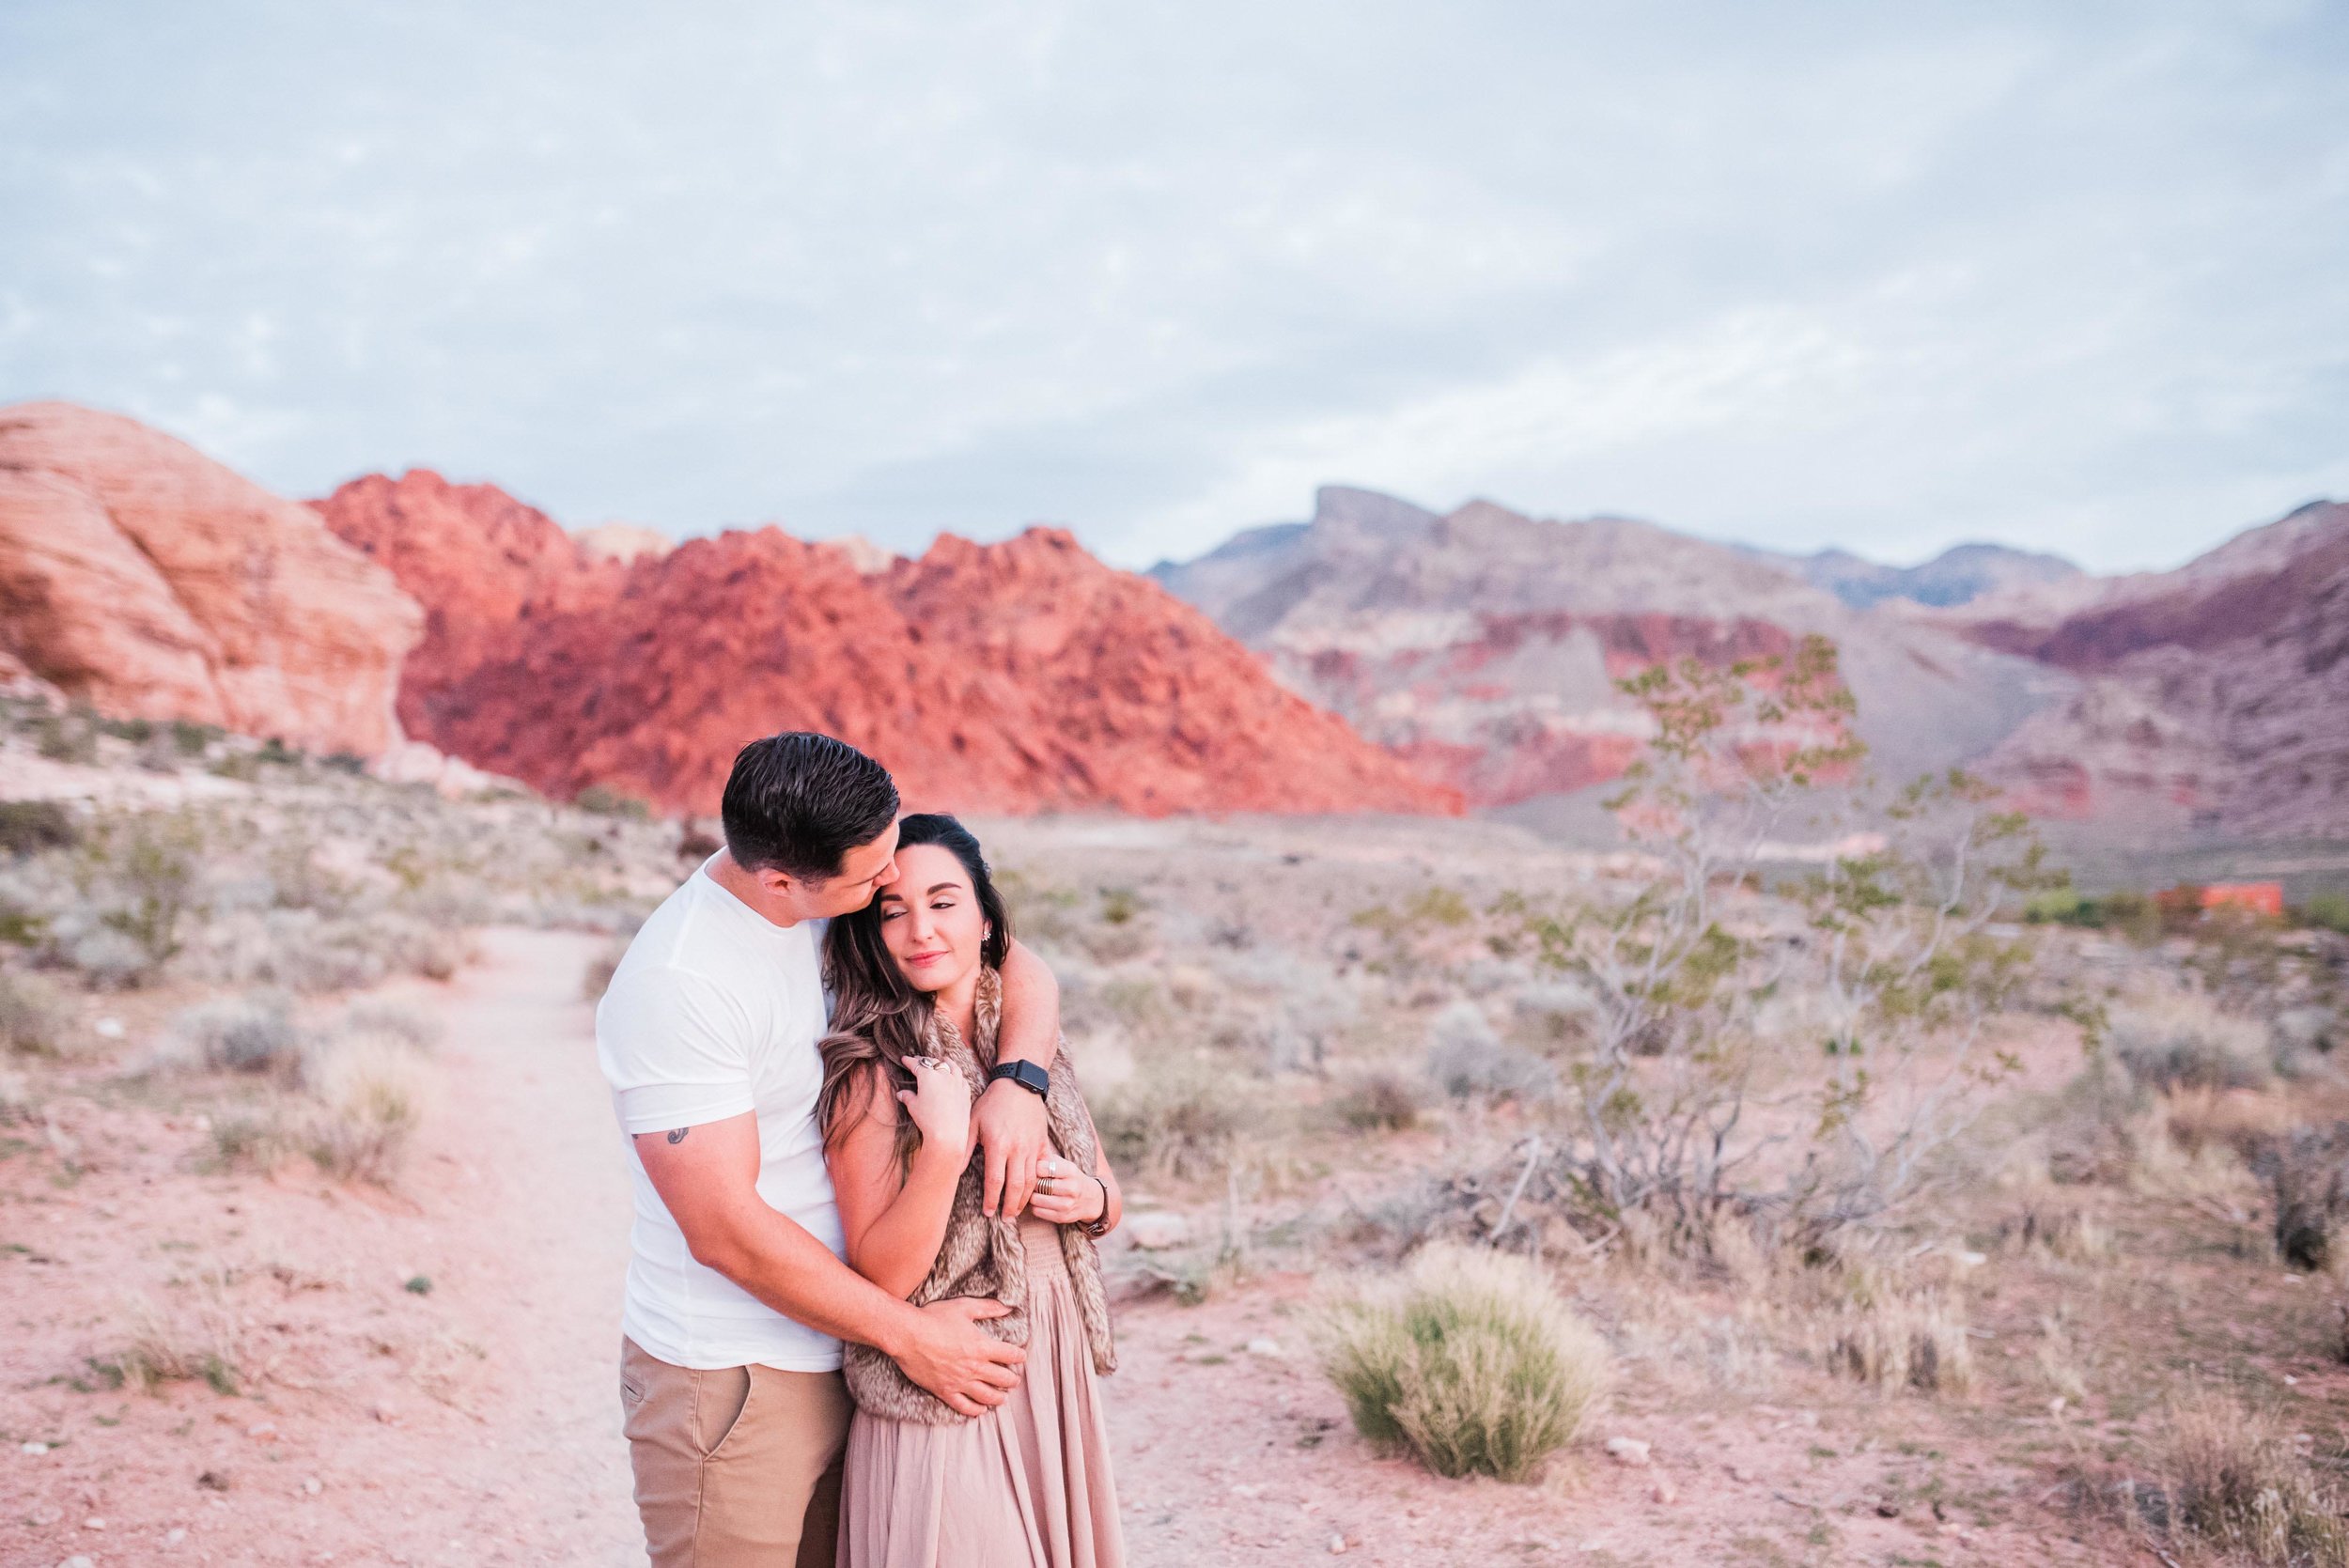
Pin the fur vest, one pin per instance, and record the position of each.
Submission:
(982, 1256)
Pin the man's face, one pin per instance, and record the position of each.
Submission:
(863, 872)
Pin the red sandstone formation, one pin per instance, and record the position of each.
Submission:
(146, 580)
(487, 568)
(1017, 676)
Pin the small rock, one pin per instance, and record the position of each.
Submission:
(41, 1518)
(93, 1522)
(1974, 1260)
(213, 1481)
(77, 1562)
(1740, 1474)
(172, 1536)
(1628, 1451)
(1157, 1231)
(1270, 1350)
(1665, 1492)
(261, 1429)
(109, 1029)
(35, 1450)
(1807, 1417)
(1337, 1546)
(1888, 1509)
(312, 1485)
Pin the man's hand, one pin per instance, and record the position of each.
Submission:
(1013, 1136)
(947, 1352)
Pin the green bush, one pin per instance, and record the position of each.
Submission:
(2329, 910)
(1468, 1360)
(252, 1034)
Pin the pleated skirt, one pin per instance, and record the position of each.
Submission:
(1025, 1485)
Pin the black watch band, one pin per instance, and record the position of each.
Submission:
(1024, 1073)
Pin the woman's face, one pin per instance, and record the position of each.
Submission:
(930, 918)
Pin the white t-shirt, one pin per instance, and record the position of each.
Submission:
(715, 1011)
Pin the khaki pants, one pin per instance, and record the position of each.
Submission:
(738, 1468)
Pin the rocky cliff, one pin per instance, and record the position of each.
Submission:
(2213, 699)
(1017, 676)
(141, 577)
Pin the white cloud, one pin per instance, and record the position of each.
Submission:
(1796, 273)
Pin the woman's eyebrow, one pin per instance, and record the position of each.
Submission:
(943, 887)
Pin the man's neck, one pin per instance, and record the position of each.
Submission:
(725, 871)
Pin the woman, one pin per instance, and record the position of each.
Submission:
(1027, 1484)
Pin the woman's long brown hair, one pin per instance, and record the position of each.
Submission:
(878, 1019)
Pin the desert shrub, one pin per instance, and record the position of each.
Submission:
(251, 1034)
(1468, 1061)
(371, 1092)
(411, 1026)
(1379, 1101)
(109, 959)
(304, 952)
(2326, 911)
(29, 827)
(71, 737)
(1899, 1342)
(2309, 1174)
(1470, 1360)
(2231, 1481)
(1179, 1115)
(140, 874)
(2187, 1040)
(602, 801)
(32, 1017)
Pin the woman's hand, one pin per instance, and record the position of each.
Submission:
(1065, 1195)
(939, 1104)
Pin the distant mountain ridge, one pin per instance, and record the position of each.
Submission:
(1484, 645)
(1957, 576)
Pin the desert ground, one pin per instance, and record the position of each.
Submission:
(311, 1210)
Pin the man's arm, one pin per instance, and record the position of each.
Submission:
(1010, 1120)
(708, 1175)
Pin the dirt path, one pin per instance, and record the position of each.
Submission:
(475, 1421)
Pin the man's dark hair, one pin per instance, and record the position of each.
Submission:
(799, 802)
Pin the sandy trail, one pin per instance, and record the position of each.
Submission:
(475, 1423)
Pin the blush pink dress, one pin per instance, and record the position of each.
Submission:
(1025, 1485)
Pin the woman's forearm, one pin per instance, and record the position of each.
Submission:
(896, 1249)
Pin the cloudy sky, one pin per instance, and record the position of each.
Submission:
(1890, 276)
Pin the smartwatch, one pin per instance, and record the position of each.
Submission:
(1024, 1073)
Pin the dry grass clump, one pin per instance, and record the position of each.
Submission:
(2231, 1481)
(163, 1347)
(1903, 1342)
(262, 1137)
(2060, 1226)
(1377, 1101)
(372, 1090)
(411, 1025)
(2310, 1175)
(1469, 1359)
(1179, 1115)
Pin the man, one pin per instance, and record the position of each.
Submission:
(736, 1298)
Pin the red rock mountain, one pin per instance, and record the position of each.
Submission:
(141, 577)
(1015, 677)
